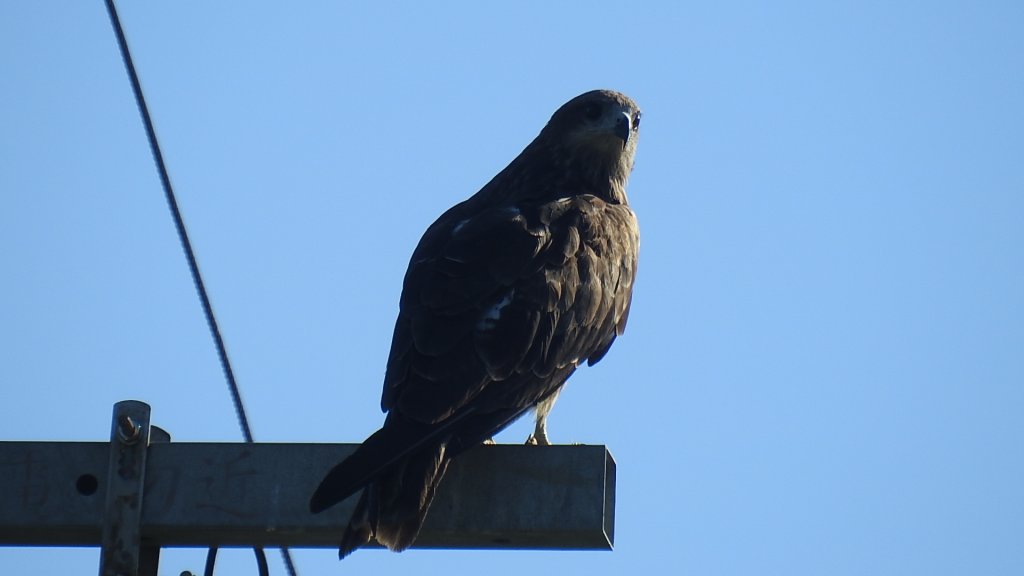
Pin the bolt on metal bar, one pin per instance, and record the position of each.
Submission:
(121, 535)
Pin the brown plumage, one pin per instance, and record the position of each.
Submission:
(505, 295)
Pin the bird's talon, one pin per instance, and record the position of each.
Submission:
(538, 440)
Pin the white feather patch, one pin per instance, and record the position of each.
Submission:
(493, 314)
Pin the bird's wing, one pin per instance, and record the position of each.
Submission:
(504, 300)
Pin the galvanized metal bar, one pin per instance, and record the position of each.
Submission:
(149, 553)
(121, 536)
(201, 494)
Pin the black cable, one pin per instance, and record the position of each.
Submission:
(179, 223)
(261, 562)
(193, 266)
(286, 555)
(211, 560)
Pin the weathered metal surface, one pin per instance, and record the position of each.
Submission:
(200, 494)
(149, 554)
(121, 534)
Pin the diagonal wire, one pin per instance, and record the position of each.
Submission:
(179, 223)
(193, 266)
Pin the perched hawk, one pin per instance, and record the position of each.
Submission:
(506, 294)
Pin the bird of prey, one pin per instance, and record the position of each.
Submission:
(507, 293)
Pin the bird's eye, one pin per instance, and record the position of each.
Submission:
(636, 121)
(592, 111)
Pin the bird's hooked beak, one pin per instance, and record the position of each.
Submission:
(624, 127)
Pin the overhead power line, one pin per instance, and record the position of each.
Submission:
(197, 279)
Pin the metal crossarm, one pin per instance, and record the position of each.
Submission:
(235, 494)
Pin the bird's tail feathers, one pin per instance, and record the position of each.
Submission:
(360, 526)
(398, 438)
(394, 505)
(405, 497)
(382, 449)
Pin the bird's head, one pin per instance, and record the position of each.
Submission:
(600, 129)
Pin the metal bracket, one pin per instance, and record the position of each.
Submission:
(121, 538)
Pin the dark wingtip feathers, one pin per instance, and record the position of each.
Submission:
(394, 441)
(346, 478)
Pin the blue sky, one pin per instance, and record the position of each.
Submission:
(823, 371)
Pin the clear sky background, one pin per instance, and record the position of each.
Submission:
(823, 371)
